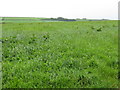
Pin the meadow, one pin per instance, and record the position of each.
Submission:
(80, 54)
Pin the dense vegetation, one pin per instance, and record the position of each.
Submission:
(60, 54)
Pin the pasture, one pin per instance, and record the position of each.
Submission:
(81, 54)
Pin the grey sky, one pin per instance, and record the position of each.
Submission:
(98, 9)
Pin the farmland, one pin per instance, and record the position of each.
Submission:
(80, 54)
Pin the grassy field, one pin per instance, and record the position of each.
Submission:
(60, 54)
(22, 19)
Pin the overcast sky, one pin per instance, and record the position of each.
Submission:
(97, 9)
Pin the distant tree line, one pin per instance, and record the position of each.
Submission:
(59, 19)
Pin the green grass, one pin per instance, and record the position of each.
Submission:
(60, 55)
(22, 19)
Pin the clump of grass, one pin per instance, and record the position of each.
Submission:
(46, 36)
(92, 27)
(99, 29)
